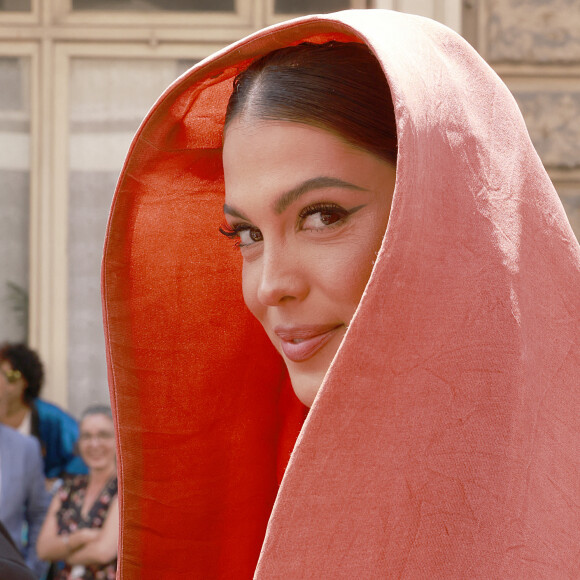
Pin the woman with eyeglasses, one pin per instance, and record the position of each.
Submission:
(81, 528)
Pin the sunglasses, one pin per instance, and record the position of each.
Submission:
(11, 376)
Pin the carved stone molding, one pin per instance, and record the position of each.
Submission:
(570, 195)
(553, 120)
(532, 31)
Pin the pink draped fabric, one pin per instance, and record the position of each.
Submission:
(445, 440)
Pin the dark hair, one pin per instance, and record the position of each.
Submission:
(335, 86)
(25, 360)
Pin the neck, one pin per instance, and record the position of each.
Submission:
(15, 412)
(98, 477)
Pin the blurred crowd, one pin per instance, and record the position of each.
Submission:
(58, 480)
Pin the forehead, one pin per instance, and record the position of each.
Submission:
(265, 132)
(271, 155)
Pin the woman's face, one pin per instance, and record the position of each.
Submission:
(12, 385)
(97, 442)
(309, 212)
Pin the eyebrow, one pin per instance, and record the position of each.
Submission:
(290, 196)
(234, 212)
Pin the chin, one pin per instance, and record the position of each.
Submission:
(306, 388)
(307, 376)
(98, 465)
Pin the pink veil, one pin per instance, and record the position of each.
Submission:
(445, 440)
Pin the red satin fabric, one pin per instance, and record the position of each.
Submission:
(445, 440)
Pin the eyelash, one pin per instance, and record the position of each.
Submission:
(234, 232)
(324, 208)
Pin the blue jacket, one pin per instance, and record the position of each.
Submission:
(57, 432)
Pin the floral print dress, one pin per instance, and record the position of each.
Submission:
(70, 518)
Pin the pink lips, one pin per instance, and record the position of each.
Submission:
(299, 343)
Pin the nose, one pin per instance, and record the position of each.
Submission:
(283, 277)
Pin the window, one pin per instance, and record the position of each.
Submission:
(15, 5)
(14, 195)
(155, 5)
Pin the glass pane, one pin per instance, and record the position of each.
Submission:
(156, 5)
(108, 100)
(309, 6)
(184, 64)
(14, 197)
(15, 5)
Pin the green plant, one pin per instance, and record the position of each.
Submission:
(17, 297)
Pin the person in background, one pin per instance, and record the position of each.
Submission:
(82, 525)
(56, 430)
(23, 496)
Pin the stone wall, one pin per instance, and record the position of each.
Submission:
(534, 45)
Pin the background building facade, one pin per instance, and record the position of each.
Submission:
(77, 77)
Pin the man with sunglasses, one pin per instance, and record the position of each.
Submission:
(56, 430)
(23, 495)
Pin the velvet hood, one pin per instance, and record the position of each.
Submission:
(445, 439)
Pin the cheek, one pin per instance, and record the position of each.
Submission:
(354, 272)
(353, 268)
(250, 283)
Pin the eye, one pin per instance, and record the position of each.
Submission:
(322, 215)
(249, 235)
(243, 234)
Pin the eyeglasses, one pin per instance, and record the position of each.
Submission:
(100, 437)
(12, 375)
